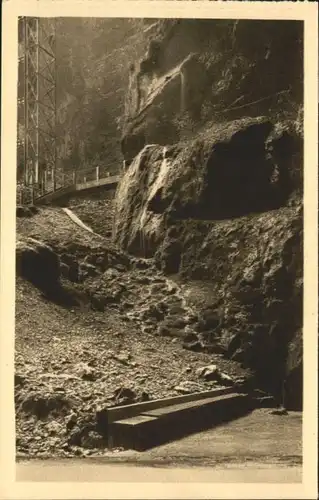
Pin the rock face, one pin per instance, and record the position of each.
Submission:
(219, 203)
(229, 170)
(196, 71)
(201, 222)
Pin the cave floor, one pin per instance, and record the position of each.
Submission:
(259, 447)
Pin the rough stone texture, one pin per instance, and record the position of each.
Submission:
(214, 188)
(196, 71)
(223, 210)
(229, 170)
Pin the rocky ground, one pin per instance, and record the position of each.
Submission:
(128, 336)
(95, 209)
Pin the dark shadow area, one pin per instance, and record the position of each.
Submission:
(257, 170)
(26, 211)
(131, 145)
(40, 265)
(65, 297)
(170, 432)
(172, 426)
(293, 389)
(245, 176)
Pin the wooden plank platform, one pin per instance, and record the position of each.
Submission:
(157, 426)
(184, 407)
(130, 432)
(114, 413)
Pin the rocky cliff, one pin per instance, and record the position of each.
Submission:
(213, 192)
(200, 71)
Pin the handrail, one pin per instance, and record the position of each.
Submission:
(26, 195)
(89, 169)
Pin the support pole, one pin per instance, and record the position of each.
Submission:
(55, 107)
(39, 97)
(36, 166)
(26, 72)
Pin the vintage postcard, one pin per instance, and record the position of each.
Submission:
(159, 249)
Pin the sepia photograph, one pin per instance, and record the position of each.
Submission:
(159, 260)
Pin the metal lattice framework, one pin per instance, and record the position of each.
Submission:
(40, 173)
(37, 111)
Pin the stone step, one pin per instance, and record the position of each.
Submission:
(161, 425)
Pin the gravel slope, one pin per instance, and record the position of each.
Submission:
(71, 362)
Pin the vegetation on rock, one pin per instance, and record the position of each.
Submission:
(220, 200)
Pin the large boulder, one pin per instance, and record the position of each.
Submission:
(214, 193)
(38, 263)
(225, 209)
(230, 170)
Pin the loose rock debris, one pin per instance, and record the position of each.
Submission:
(71, 362)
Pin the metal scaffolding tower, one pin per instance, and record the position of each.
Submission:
(37, 107)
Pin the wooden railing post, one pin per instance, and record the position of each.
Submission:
(97, 173)
(74, 177)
